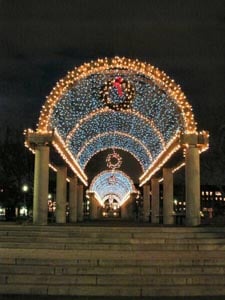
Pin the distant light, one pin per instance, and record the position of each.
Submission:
(25, 188)
(23, 211)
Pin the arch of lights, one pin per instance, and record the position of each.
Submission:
(117, 122)
(116, 140)
(115, 197)
(75, 112)
(120, 188)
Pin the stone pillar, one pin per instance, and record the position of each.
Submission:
(146, 202)
(41, 181)
(127, 208)
(192, 181)
(124, 212)
(155, 200)
(80, 195)
(73, 199)
(93, 206)
(61, 195)
(168, 213)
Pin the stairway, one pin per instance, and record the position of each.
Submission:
(112, 261)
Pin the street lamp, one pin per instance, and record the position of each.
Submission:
(25, 189)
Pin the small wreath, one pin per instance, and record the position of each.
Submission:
(113, 160)
(117, 94)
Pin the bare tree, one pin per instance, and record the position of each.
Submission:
(16, 168)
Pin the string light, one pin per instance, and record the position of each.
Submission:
(60, 147)
(91, 77)
(110, 114)
(102, 187)
(121, 103)
(162, 158)
(117, 94)
(116, 121)
(177, 168)
(114, 160)
(76, 110)
(51, 166)
(117, 140)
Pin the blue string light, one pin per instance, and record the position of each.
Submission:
(149, 101)
(121, 187)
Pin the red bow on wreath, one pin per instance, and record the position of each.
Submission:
(118, 85)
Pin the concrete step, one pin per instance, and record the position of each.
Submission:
(76, 229)
(98, 261)
(109, 269)
(112, 235)
(115, 247)
(102, 240)
(114, 291)
(113, 279)
(110, 260)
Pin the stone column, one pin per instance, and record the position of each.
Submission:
(73, 199)
(155, 200)
(61, 195)
(93, 206)
(127, 208)
(168, 213)
(80, 195)
(41, 181)
(146, 202)
(192, 180)
(124, 212)
(192, 143)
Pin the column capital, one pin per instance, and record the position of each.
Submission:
(74, 176)
(167, 169)
(198, 139)
(62, 168)
(155, 178)
(34, 139)
(91, 194)
(134, 194)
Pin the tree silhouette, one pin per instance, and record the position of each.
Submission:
(213, 162)
(16, 169)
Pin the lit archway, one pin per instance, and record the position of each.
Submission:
(114, 183)
(77, 111)
(117, 103)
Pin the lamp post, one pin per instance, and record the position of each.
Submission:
(25, 189)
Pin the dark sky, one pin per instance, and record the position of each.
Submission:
(40, 40)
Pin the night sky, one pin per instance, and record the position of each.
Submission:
(41, 40)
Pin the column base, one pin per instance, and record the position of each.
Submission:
(192, 221)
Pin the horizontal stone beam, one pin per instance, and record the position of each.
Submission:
(201, 139)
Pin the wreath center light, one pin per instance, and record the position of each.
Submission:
(117, 93)
(112, 179)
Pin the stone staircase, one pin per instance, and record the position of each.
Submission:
(112, 261)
